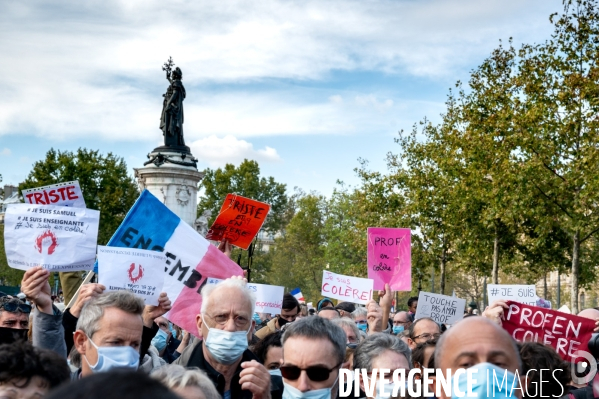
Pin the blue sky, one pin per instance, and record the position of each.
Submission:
(303, 87)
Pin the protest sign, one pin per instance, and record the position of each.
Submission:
(441, 308)
(239, 220)
(346, 288)
(58, 238)
(564, 332)
(389, 258)
(526, 294)
(269, 298)
(62, 194)
(137, 270)
(189, 257)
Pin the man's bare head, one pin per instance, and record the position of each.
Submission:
(591, 313)
(476, 340)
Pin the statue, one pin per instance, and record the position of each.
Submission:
(201, 223)
(171, 121)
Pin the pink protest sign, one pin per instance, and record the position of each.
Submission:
(389, 258)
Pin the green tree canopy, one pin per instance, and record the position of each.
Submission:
(104, 182)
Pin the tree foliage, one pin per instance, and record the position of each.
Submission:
(104, 181)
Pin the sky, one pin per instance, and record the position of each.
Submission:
(305, 88)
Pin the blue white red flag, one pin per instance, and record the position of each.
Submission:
(190, 259)
(297, 294)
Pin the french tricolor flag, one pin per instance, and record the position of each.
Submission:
(297, 294)
(190, 257)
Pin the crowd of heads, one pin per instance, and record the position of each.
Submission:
(118, 346)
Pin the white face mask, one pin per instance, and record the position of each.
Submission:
(275, 372)
(290, 392)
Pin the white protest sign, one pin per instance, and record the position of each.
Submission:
(137, 270)
(526, 294)
(346, 288)
(441, 308)
(58, 238)
(63, 194)
(269, 298)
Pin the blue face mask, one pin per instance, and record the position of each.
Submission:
(225, 346)
(362, 326)
(290, 392)
(257, 319)
(159, 341)
(397, 329)
(487, 385)
(173, 331)
(111, 357)
(275, 372)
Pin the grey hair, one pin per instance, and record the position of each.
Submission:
(93, 310)
(237, 283)
(359, 312)
(318, 328)
(374, 345)
(176, 376)
(349, 323)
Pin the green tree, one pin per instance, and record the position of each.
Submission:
(244, 180)
(8, 275)
(298, 255)
(104, 182)
(558, 128)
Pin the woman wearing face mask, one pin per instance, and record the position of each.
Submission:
(165, 341)
(381, 351)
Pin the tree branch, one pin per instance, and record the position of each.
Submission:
(552, 200)
(589, 235)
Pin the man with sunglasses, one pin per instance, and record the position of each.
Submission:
(14, 319)
(313, 352)
(226, 324)
(422, 330)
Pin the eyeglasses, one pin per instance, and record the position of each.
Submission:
(360, 322)
(316, 373)
(221, 320)
(15, 305)
(427, 336)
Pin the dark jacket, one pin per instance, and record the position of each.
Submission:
(196, 359)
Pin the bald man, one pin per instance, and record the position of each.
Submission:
(476, 342)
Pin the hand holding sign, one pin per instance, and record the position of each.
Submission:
(152, 312)
(239, 220)
(495, 312)
(36, 288)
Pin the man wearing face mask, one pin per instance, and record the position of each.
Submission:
(14, 319)
(109, 333)
(226, 324)
(289, 311)
(313, 352)
(401, 322)
(478, 344)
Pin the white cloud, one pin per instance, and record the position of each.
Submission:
(219, 151)
(6, 152)
(77, 69)
(371, 101)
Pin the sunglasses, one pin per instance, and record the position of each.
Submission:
(352, 345)
(316, 373)
(14, 306)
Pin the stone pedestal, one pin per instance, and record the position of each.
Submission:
(172, 176)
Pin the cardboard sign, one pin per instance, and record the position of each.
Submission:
(346, 288)
(526, 294)
(565, 333)
(137, 270)
(63, 194)
(190, 259)
(239, 220)
(389, 258)
(269, 298)
(443, 309)
(58, 238)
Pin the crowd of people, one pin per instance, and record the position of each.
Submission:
(110, 344)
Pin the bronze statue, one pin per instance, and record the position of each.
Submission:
(171, 121)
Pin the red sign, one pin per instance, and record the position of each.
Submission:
(239, 220)
(566, 333)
